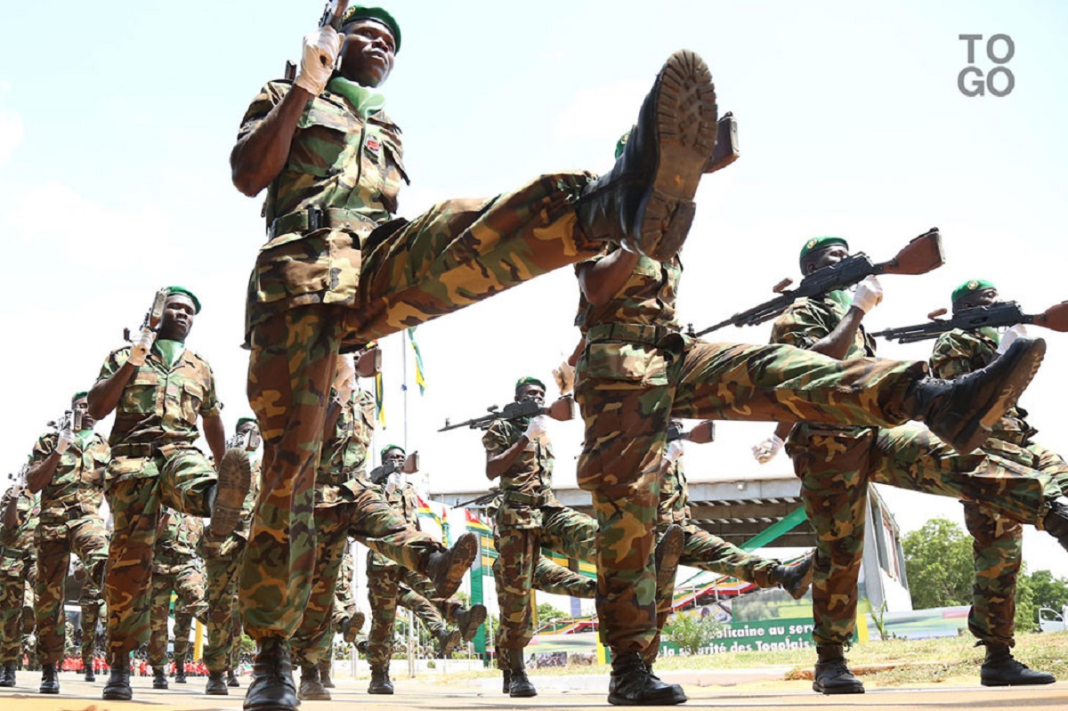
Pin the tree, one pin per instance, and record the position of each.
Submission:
(1049, 591)
(1026, 610)
(691, 632)
(938, 562)
(548, 614)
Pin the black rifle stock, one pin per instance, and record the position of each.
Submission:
(1001, 315)
(923, 254)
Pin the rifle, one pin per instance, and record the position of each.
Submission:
(248, 440)
(726, 149)
(999, 315)
(153, 316)
(480, 500)
(702, 433)
(380, 473)
(333, 13)
(920, 256)
(561, 410)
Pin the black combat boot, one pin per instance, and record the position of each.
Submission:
(962, 411)
(90, 675)
(447, 568)
(7, 675)
(380, 683)
(519, 686)
(311, 687)
(448, 640)
(645, 202)
(351, 627)
(634, 684)
(159, 678)
(666, 556)
(216, 685)
(271, 687)
(796, 579)
(235, 478)
(118, 686)
(49, 679)
(324, 674)
(179, 670)
(1001, 669)
(832, 676)
(231, 679)
(468, 620)
(1056, 521)
(507, 681)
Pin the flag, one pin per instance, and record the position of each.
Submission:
(420, 374)
(379, 389)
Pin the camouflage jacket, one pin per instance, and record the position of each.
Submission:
(20, 538)
(159, 408)
(528, 484)
(343, 458)
(674, 504)
(336, 160)
(405, 502)
(176, 546)
(957, 353)
(77, 486)
(647, 298)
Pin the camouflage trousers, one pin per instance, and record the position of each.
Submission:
(186, 579)
(997, 547)
(224, 624)
(563, 530)
(837, 464)
(183, 484)
(427, 613)
(90, 602)
(87, 538)
(365, 516)
(454, 255)
(16, 574)
(344, 601)
(183, 626)
(628, 391)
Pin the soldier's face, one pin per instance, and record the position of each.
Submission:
(826, 257)
(530, 391)
(82, 406)
(367, 53)
(178, 313)
(983, 297)
(394, 456)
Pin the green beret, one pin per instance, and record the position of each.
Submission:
(243, 420)
(182, 290)
(79, 396)
(621, 144)
(970, 287)
(361, 12)
(389, 447)
(527, 381)
(818, 243)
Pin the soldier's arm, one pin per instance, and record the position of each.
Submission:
(500, 456)
(836, 343)
(806, 326)
(42, 465)
(104, 396)
(601, 279)
(11, 513)
(215, 433)
(260, 154)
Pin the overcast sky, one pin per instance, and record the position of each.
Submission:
(115, 133)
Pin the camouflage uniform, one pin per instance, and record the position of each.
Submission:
(153, 463)
(70, 523)
(836, 464)
(328, 281)
(637, 371)
(222, 560)
(176, 567)
(17, 566)
(91, 600)
(529, 518)
(183, 626)
(997, 541)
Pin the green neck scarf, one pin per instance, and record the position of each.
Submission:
(992, 334)
(171, 351)
(366, 100)
(843, 298)
(84, 437)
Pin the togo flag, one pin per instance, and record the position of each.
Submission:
(420, 374)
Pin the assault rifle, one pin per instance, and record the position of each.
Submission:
(248, 440)
(999, 315)
(333, 13)
(410, 465)
(480, 500)
(702, 433)
(562, 410)
(153, 316)
(921, 255)
(726, 149)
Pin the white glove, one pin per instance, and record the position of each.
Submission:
(868, 295)
(674, 450)
(317, 58)
(536, 428)
(64, 441)
(395, 479)
(766, 450)
(1017, 331)
(141, 346)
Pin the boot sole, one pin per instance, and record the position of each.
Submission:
(686, 115)
(325, 696)
(1013, 386)
(668, 552)
(381, 692)
(1040, 682)
(463, 555)
(477, 616)
(117, 695)
(451, 642)
(217, 692)
(673, 700)
(806, 581)
(832, 691)
(235, 478)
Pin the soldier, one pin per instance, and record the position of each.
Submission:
(20, 512)
(222, 560)
(327, 281)
(836, 463)
(347, 620)
(175, 566)
(158, 389)
(708, 552)
(91, 600)
(67, 469)
(998, 541)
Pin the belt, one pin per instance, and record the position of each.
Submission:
(631, 332)
(316, 218)
(134, 450)
(518, 497)
(15, 552)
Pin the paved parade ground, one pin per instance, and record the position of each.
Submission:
(589, 692)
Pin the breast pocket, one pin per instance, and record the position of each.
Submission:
(319, 144)
(141, 393)
(192, 399)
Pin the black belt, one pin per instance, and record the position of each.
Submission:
(316, 218)
(134, 450)
(518, 497)
(630, 332)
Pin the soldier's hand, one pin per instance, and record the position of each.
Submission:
(766, 450)
(317, 58)
(564, 375)
(1017, 331)
(344, 378)
(674, 450)
(536, 428)
(868, 295)
(141, 346)
(66, 437)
